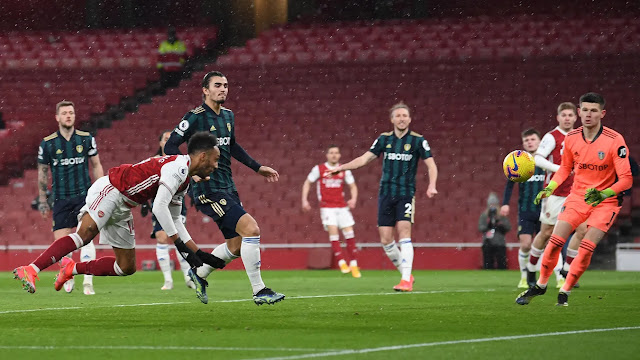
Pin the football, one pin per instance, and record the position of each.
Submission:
(519, 166)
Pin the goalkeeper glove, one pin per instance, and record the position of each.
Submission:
(211, 260)
(594, 197)
(188, 254)
(546, 192)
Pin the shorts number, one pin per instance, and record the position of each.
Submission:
(408, 207)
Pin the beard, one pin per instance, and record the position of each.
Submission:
(220, 102)
(67, 127)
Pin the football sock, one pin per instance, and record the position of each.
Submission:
(57, 250)
(162, 254)
(406, 249)
(221, 252)
(550, 259)
(335, 246)
(534, 256)
(580, 265)
(352, 250)
(184, 265)
(393, 253)
(104, 266)
(353, 263)
(250, 253)
(523, 259)
(571, 254)
(88, 253)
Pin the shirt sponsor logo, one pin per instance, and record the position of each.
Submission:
(585, 166)
(396, 156)
(539, 177)
(332, 183)
(70, 161)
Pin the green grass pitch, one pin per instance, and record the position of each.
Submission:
(326, 315)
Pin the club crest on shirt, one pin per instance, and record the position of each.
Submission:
(407, 147)
(601, 155)
(223, 202)
(79, 148)
(58, 152)
(212, 128)
(229, 127)
(388, 146)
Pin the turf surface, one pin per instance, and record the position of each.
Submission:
(325, 315)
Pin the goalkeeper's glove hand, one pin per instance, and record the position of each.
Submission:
(188, 254)
(211, 259)
(546, 192)
(594, 197)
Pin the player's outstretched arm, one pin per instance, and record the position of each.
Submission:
(354, 164)
(96, 167)
(547, 144)
(240, 154)
(506, 197)
(433, 177)
(172, 147)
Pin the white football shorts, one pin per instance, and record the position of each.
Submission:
(107, 207)
(340, 217)
(550, 209)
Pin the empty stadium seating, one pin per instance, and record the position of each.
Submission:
(291, 98)
(94, 69)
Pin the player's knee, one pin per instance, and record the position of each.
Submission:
(525, 247)
(128, 269)
(251, 230)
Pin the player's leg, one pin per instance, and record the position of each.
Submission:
(537, 248)
(525, 241)
(329, 218)
(346, 223)
(599, 222)
(60, 233)
(334, 240)
(247, 227)
(352, 250)
(574, 245)
(404, 212)
(164, 259)
(389, 245)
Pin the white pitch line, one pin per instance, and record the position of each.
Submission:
(154, 348)
(247, 299)
(438, 343)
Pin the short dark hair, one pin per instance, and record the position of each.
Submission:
(331, 146)
(592, 97)
(207, 78)
(201, 141)
(64, 103)
(531, 131)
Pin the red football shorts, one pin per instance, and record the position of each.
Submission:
(575, 211)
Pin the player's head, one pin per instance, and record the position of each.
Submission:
(591, 109)
(400, 116)
(215, 87)
(567, 116)
(65, 114)
(333, 154)
(530, 140)
(204, 153)
(164, 137)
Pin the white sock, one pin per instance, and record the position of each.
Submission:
(393, 253)
(222, 252)
(88, 253)
(523, 260)
(406, 249)
(353, 263)
(558, 267)
(162, 253)
(250, 253)
(537, 253)
(184, 265)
